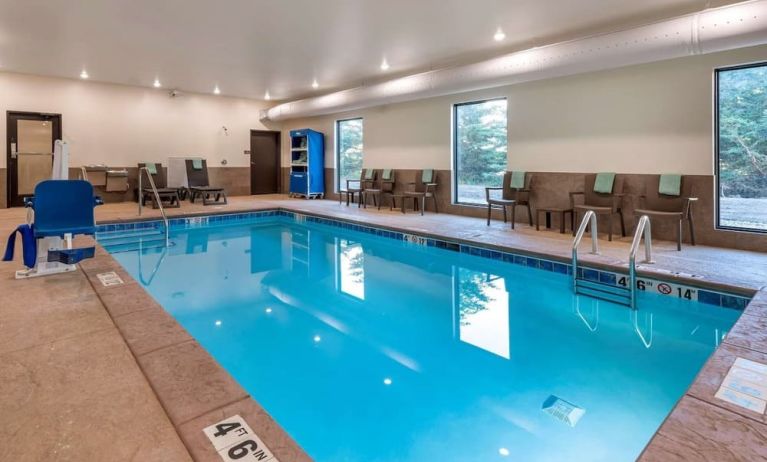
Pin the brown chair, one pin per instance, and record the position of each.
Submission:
(510, 197)
(608, 204)
(668, 206)
(357, 187)
(197, 178)
(383, 188)
(424, 187)
(169, 196)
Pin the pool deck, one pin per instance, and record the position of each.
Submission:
(85, 367)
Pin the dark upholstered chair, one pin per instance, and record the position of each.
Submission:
(382, 188)
(510, 197)
(668, 207)
(609, 204)
(424, 187)
(357, 187)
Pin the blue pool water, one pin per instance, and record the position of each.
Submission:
(370, 349)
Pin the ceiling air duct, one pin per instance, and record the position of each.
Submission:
(717, 29)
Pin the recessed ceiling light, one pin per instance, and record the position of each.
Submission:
(216, 90)
(267, 96)
(384, 65)
(499, 35)
(315, 84)
(157, 83)
(84, 74)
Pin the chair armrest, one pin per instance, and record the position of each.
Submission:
(352, 181)
(430, 187)
(487, 192)
(688, 205)
(572, 197)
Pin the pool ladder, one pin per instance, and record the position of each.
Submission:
(597, 289)
(156, 194)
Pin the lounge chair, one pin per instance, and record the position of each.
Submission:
(669, 196)
(383, 188)
(169, 196)
(603, 194)
(424, 187)
(197, 176)
(515, 191)
(357, 187)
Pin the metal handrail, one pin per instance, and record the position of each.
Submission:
(148, 282)
(644, 228)
(83, 173)
(589, 217)
(157, 199)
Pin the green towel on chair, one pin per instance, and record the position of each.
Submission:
(604, 183)
(151, 168)
(386, 175)
(427, 176)
(670, 184)
(197, 164)
(369, 174)
(517, 180)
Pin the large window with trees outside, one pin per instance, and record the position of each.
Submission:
(348, 151)
(479, 148)
(741, 141)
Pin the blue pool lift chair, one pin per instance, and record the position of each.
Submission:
(62, 209)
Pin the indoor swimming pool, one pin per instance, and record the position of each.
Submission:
(379, 346)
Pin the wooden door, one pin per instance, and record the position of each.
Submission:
(264, 162)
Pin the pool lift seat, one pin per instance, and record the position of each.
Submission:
(59, 210)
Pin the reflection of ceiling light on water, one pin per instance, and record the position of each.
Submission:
(218, 323)
(317, 339)
(387, 381)
(504, 452)
(268, 310)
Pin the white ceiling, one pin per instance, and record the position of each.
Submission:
(247, 47)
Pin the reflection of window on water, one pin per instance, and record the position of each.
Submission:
(351, 269)
(483, 307)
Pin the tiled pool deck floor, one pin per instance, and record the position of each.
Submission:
(86, 369)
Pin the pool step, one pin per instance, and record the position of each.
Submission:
(619, 295)
(147, 239)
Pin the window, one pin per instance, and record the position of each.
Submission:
(348, 151)
(741, 145)
(479, 148)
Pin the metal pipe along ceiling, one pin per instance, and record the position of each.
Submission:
(717, 29)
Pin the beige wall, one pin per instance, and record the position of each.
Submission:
(123, 125)
(642, 119)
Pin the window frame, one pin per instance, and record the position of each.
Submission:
(454, 154)
(717, 186)
(337, 162)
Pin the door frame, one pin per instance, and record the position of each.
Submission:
(11, 166)
(278, 135)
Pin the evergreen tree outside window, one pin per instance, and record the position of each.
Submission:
(349, 151)
(741, 141)
(479, 149)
